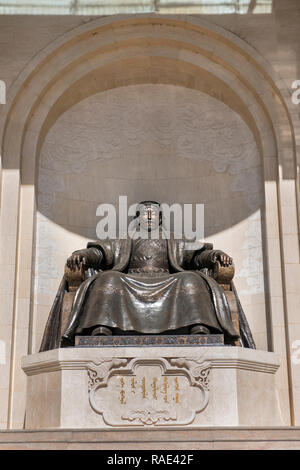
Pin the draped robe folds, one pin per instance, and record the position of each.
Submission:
(116, 298)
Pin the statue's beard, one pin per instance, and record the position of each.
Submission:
(150, 226)
(153, 226)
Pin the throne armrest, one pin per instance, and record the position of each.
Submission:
(224, 275)
(74, 278)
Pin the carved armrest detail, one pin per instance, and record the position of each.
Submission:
(74, 277)
(223, 274)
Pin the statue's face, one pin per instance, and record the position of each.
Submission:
(149, 217)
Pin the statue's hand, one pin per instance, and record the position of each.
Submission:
(77, 259)
(221, 257)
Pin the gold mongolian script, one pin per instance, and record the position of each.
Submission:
(165, 388)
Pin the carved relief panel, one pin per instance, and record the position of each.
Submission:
(149, 391)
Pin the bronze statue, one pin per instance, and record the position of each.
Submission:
(146, 286)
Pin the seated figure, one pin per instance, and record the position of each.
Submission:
(141, 285)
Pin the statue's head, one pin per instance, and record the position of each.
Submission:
(149, 215)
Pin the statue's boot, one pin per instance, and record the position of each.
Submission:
(101, 331)
(199, 330)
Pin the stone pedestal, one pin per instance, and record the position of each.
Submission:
(151, 387)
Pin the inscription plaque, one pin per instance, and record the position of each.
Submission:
(149, 391)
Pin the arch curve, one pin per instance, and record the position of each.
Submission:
(224, 54)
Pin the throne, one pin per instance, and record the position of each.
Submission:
(99, 387)
(223, 275)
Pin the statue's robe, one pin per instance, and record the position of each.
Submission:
(157, 301)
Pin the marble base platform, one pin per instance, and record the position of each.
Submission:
(151, 387)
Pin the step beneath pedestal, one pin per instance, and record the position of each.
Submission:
(237, 438)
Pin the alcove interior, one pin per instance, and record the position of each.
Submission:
(150, 141)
